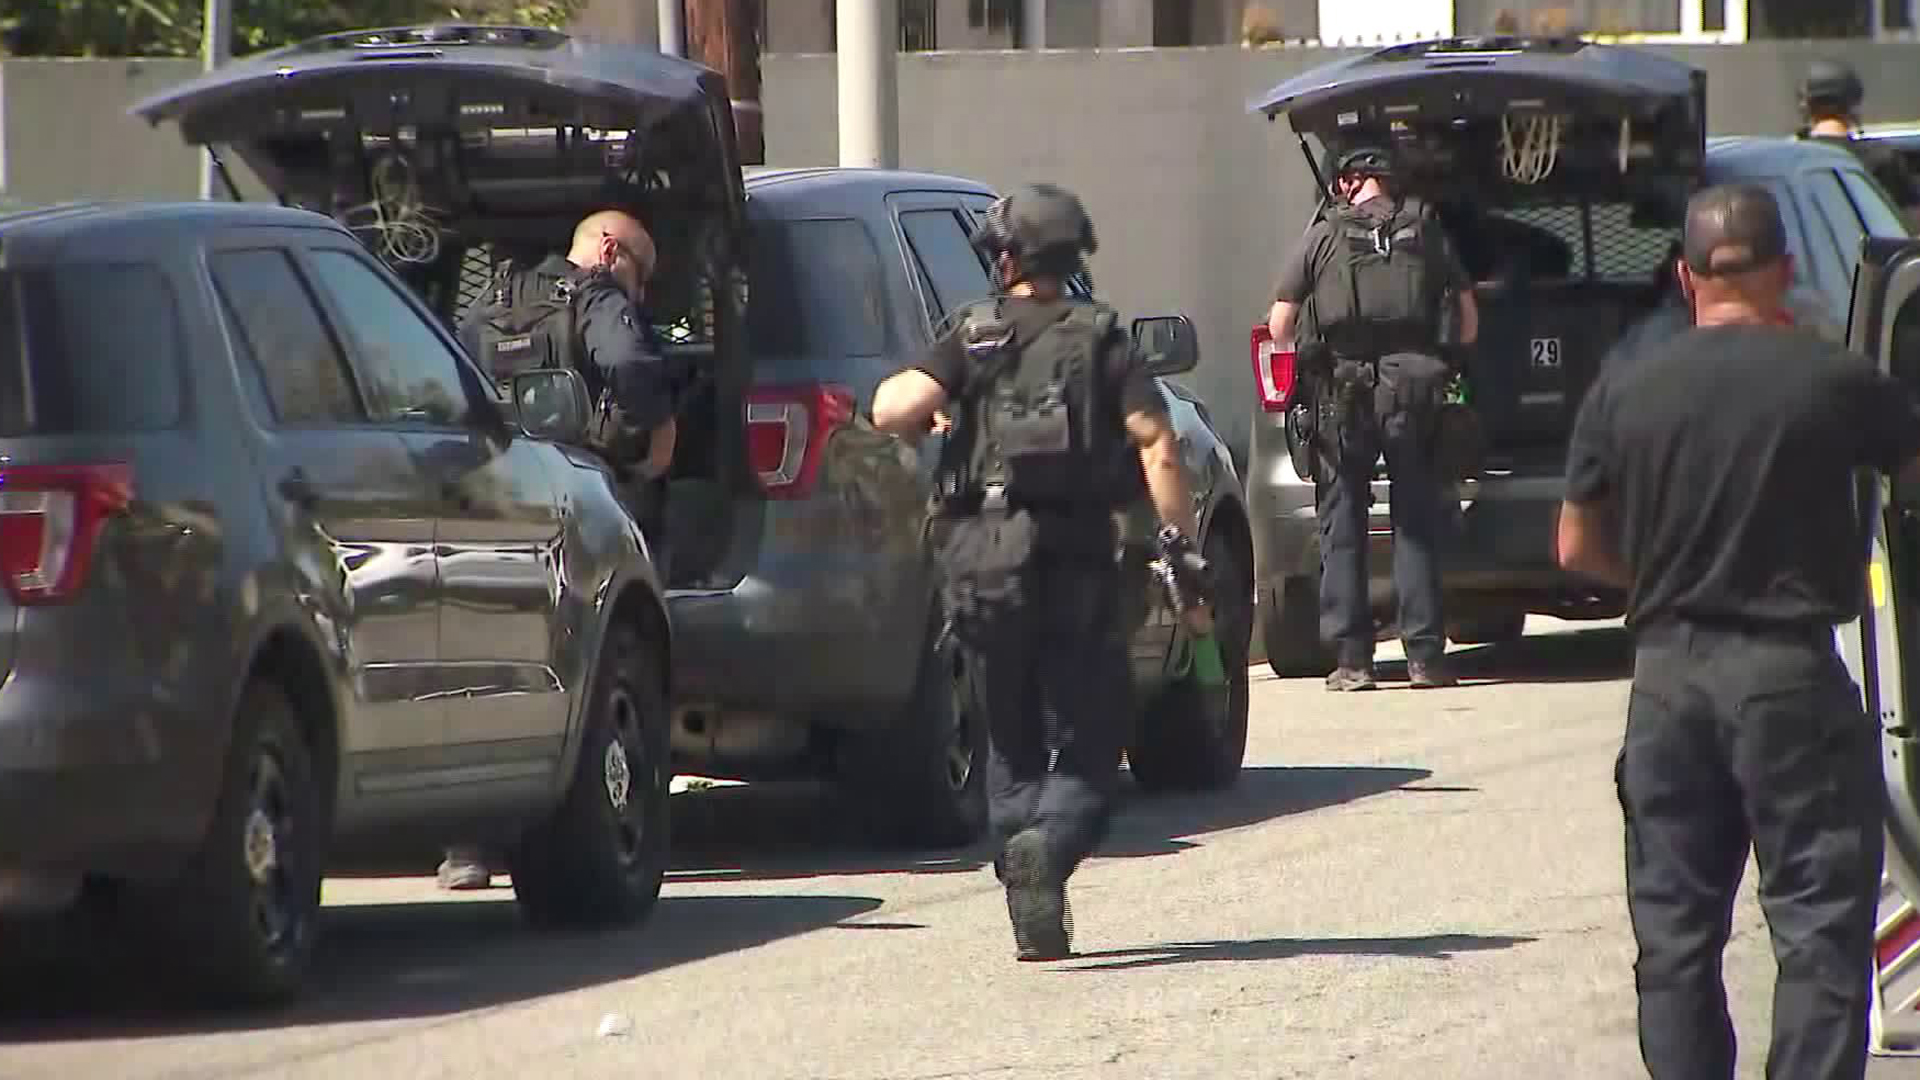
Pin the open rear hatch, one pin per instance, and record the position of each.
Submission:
(448, 149)
(1561, 170)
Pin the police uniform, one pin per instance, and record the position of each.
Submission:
(1373, 281)
(555, 314)
(1725, 456)
(1034, 467)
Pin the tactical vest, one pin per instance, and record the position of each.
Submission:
(528, 322)
(1037, 423)
(1381, 292)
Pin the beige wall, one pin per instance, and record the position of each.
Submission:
(1193, 197)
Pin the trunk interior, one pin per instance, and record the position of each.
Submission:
(1559, 284)
(445, 211)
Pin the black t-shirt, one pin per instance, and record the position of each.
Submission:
(1886, 165)
(947, 361)
(1318, 246)
(1729, 454)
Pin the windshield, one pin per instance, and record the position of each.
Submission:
(65, 370)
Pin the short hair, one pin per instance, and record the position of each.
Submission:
(1733, 228)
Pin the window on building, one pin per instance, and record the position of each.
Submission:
(1173, 23)
(919, 25)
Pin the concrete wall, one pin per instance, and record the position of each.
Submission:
(1193, 197)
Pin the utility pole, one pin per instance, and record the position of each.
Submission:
(673, 31)
(1034, 14)
(216, 38)
(868, 51)
(725, 36)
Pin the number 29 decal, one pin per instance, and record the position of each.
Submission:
(1546, 352)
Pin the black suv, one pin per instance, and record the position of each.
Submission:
(290, 588)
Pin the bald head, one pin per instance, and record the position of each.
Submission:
(616, 242)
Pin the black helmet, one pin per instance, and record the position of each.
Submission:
(1036, 220)
(1833, 86)
(1364, 160)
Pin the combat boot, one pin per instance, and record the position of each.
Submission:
(1036, 899)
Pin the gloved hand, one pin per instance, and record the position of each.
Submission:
(1188, 578)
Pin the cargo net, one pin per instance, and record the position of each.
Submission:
(476, 273)
(1622, 251)
(1529, 146)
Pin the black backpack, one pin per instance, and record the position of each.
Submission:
(1037, 417)
(529, 321)
(1382, 291)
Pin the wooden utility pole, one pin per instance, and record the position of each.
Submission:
(725, 36)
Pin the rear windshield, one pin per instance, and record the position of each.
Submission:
(1571, 242)
(815, 291)
(88, 347)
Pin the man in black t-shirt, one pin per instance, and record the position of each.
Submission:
(1055, 427)
(1712, 477)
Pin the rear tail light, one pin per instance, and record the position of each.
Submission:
(787, 432)
(1272, 371)
(50, 518)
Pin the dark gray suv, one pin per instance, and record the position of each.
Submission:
(289, 588)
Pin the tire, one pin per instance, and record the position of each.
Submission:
(1178, 746)
(600, 858)
(1496, 628)
(923, 779)
(240, 920)
(1292, 633)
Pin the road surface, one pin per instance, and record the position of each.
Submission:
(1403, 884)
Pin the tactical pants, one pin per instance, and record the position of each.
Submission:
(1419, 520)
(1736, 740)
(1055, 684)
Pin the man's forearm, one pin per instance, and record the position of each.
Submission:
(1167, 485)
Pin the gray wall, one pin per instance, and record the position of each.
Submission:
(1193, 197)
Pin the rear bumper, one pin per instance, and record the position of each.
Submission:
(825, 644)
(93, 780)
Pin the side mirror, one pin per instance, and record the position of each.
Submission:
(1169, 344)
(551, 403)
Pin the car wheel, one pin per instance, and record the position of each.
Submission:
(1494, 628)
(600, 858)
(1179, 743)
(1291, 631)
(242, 916)
(923, 778)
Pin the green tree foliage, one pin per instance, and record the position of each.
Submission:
(172, 27)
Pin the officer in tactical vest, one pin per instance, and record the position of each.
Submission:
(582, 312)
(1373, 277)
(1055, 427)
(1830, 100)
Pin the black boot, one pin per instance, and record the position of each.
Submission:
(1036, 899)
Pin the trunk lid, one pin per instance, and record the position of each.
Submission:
(504, 116)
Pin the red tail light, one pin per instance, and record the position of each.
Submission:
(1272, 371)
(50, 517)
(787, 431)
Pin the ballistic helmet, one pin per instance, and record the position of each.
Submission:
(1831, 88)
(1364, 160)
(1037, 222)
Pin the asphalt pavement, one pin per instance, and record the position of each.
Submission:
(1402, 884)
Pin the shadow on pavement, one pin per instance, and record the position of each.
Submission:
(408, 961)
(773, 831)
(1601, 654)
(1428, 947)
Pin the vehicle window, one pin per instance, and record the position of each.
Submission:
(1838, 211)
(940, 243)
(816, 289)
(277, 328)
(90, 347)
(1903, 343)
(409, 374)
(1871, 200)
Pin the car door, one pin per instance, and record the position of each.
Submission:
(354, 513)
(498, 526)
(1883, 648)
(946, 272)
